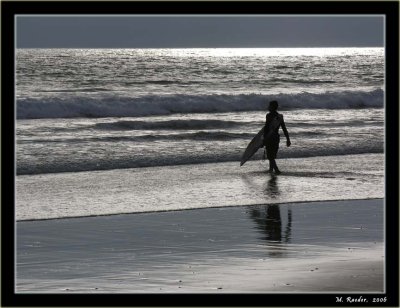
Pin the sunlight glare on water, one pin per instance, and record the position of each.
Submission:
(255, 52)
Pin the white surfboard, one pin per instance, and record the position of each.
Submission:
(255, 144)
(258, 141)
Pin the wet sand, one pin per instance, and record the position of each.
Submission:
(333, 246)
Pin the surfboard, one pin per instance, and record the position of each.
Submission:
(258, 141)
(254, 145)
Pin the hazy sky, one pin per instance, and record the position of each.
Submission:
(199, 31)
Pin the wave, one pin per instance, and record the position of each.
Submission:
(302, 81)
(167, 125)
(95, 89)
(201, 135)
(115, 106)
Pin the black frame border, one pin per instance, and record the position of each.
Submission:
(8, 11)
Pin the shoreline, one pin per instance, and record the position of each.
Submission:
(195, 209)
(183, 187)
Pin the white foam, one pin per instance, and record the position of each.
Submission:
(116, 106)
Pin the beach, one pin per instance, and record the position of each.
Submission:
(278, 242)
(128, 176)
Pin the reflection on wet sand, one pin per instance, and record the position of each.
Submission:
(269, 221)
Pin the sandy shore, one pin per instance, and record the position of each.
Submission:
(334, 246)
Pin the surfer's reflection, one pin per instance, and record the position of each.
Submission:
(272, 188)
(269, 221)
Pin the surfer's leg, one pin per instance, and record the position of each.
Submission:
(275, 166)
(270, 166)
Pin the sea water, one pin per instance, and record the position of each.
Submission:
(110, 109)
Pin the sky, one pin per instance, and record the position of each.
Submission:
(197, 31)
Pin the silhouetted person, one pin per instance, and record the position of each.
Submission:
(273, 121)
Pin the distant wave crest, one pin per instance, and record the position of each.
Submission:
(114, 106)
(171, 124)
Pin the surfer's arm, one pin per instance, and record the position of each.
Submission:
(285, 131)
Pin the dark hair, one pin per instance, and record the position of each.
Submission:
(273, 106)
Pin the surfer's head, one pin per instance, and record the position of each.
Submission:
(273, 106)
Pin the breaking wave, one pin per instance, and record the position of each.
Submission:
(114, 106)
(168, 125)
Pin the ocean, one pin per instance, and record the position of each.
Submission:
(91, 110)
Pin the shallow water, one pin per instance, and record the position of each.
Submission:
(167, 188)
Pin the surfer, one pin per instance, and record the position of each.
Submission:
(273, 121)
